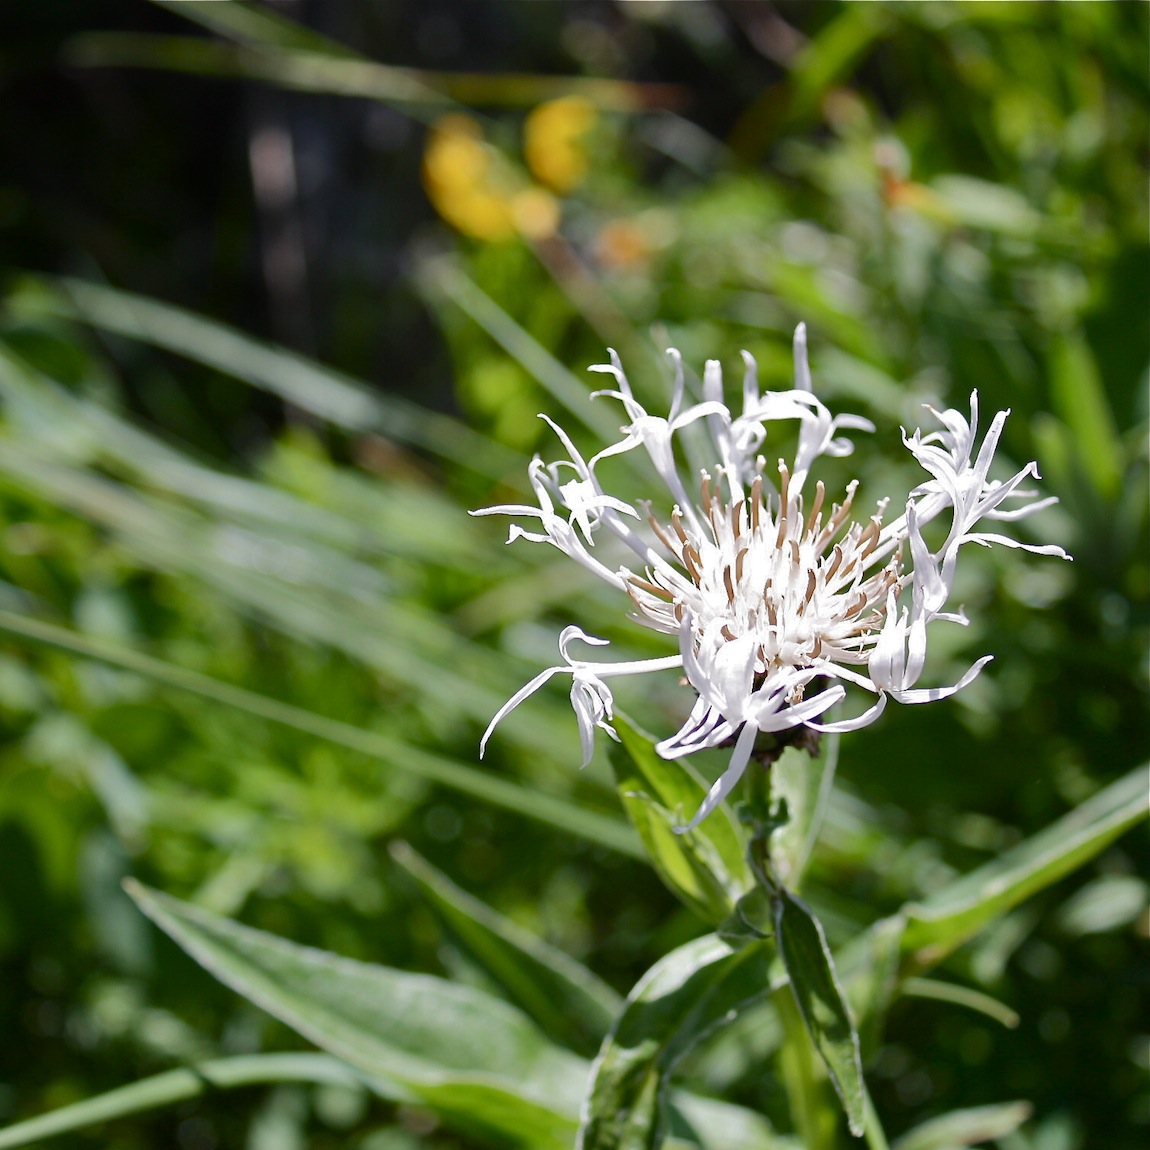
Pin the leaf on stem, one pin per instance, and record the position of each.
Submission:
(676, 1003)
(807, 958)
(562, 996)
(475, 1060)
(705, 868)
(803, 781)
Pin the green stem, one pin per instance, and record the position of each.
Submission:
(814, 1114)
(874, 1133)
(178, 1086)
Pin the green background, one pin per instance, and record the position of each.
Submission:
(950, 195)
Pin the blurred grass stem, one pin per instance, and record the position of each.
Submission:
(547, 809)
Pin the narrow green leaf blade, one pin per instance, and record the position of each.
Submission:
(940, 923)
(966, 1127)
(804, 781)
(320, 390)
(182, 1084)
(807, 958)
(677, 1002)
(550, 809)
(254, 24)
(706, 867)
(564, 998)
(469, 1056)
(961, 996)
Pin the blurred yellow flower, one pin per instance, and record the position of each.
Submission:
(554, 139)
(476, 190)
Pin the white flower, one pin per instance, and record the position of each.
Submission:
(776, 599)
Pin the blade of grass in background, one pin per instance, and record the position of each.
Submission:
(322, 391)
(564, 815)
(174, 1086)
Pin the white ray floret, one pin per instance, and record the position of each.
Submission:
(777, 597)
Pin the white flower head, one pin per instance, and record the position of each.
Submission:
(777, 598)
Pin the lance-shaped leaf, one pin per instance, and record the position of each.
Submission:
(676, 1003)
(475, 1060)
(570, 1003)
(945, 920)
(803, 781)
(807, 959)
(180, 1085)
(706, 868)
(966, 1127)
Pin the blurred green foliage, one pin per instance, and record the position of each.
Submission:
(950, 195)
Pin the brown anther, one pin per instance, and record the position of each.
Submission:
(784, 487)
(820, 495)
(662, 535)
(739, 563)
(782, 533)
(730, 586)
(692, 562)
(661, 592)
(756, 501)
(706, 490)
(736, 518)
(727, 633)
(795, 554)
(812, 583)
(837, 558)
(817, 649)
(839, 513)
(677, 524)
(678, 610)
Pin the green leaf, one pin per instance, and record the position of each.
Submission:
(807, 959)
(803, 781)
(310, 386)
(677, 1002)
(441, 278)
(942, 922)
(568, 1002)
(706, 867)
(966, 1127)
(961, 996)
(178, 1086)
(254, 24)
(1080, 400)
(475, 1060)
(483, 785)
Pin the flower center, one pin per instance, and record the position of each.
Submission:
(762, 569)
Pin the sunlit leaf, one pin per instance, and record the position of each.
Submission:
(942, 922)
(676, 1003)
(174, 1086)
(961, 996)
(474, 1059)
(803, 782)
(706, 867)
(561, 995)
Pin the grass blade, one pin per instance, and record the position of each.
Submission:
(180, 1085)
(595, 827)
